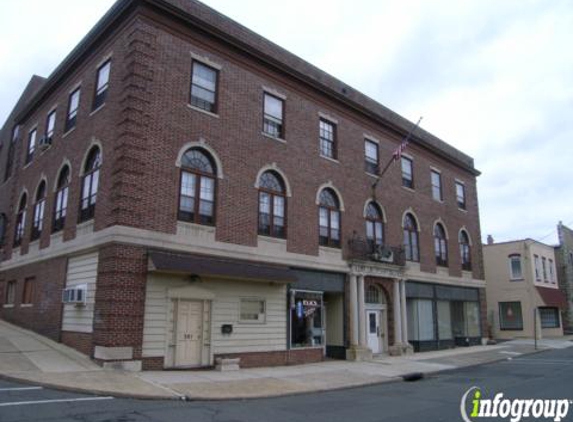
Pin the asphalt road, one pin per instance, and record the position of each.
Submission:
(545, 375)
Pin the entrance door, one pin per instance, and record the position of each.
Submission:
(189, 333)
(373, 330)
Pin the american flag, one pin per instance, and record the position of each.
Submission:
(398, 151)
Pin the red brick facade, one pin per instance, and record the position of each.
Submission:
(286, 357)
(143, 126)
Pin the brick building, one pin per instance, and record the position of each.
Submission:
(564, 262)
(181, 189)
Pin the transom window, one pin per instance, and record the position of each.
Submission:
(273, 116)
(436, 185)
(515, 267)
(61, 205)
(371, 156)
(373, 295)
(197, 188)
(407, 173)
(39, 208)
(31, 145)
(20, 221)
(90, 185)
(272, 204)
(374, 225)
(329, 219)
(102, 84)
(465, 251)
(440, 245)
(204, 87)
(411, 238)
(461, 195)
(327, 139)
(73, 106)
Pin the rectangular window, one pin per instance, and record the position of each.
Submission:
(50, 124)
(544, 267)
(273, 116)
(436, 186)
(73, 105)
(31, 146)
(371, 156)
(28, 292)
(10, 293)
(102, 84)
(551, 275)
(252, 310)
(549, 317)
(461, 195)
(11, 152)
(327, 139)
(510, 316)
(306, 319)
(515, 267)
(407, 173)
(444, 320)
(204, 87)
(420, 320)
(537, 267)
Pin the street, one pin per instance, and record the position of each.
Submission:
(544, 375)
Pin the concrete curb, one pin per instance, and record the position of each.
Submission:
(183, 397)
(87, 391)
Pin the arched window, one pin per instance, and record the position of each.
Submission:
(329, 218)
(465, 251)
(20, 221)
(39, 208)
(3, 222)
(90, 183)
(411, 238)
(272, 204)
(61, 205)
(374, 225)
(440, 245)
(197, 191)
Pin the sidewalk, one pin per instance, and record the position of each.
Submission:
(28, 357)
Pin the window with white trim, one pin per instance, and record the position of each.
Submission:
(252, 310)
(515, 272)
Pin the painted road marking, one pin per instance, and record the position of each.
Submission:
(505, 352)
(20, 389)
(22, 403)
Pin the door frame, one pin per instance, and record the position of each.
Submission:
(204, 352)
(382, 311)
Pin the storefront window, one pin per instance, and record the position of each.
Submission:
(420, 320)
(444, 320)
(306, 319)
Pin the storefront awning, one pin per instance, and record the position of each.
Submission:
(161, 261)
(552, 297)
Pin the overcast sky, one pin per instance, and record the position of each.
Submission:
(492, 78)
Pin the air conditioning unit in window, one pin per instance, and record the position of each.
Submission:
(75, 295)
(45, 142)
(383, 254)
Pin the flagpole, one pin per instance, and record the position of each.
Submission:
(394, 156)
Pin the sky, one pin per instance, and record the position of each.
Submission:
(492, 78)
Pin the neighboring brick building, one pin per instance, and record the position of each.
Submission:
(564, 262)
(523, 296)
(192, 190)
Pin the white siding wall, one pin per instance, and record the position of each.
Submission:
(246, 337)
(81, 270)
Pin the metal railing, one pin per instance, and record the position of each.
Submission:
(366, 250)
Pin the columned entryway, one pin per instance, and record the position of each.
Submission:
(368, 320)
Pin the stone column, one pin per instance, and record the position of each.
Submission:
(404, 312)
(353, 301)
(397, 313)
(361, 313)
